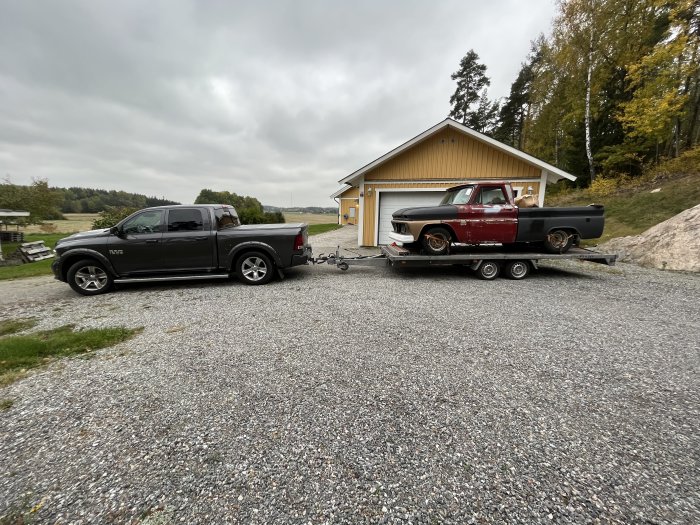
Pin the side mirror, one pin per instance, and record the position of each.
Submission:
(114, 230)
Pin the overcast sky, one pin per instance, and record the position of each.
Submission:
(273, 99)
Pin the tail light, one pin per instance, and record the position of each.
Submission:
(299, 242)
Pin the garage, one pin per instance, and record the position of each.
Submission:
(391, 201)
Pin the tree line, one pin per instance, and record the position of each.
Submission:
(615, 86)
(44, 202)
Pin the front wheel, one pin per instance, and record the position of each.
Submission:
(488, 270)
(436, 241)
(255, 268)
(89, 277)
(558, 241)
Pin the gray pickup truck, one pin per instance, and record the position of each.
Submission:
(182, 242)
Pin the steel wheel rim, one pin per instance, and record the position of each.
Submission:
(518, 270)
(437, 241)
(254, 269)
(489, 270)
(558, 239)
(91, 278)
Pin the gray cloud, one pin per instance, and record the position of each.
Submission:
(273, 99)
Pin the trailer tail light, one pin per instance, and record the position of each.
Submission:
(299, 242)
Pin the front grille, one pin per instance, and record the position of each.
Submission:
(399, 227)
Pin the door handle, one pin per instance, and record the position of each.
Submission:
(152, 241)
(201, 238)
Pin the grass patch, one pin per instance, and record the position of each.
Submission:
(315, 229)
(631, 208)
(12, 326)
(19, 353)
(6, 404)
(29, 269)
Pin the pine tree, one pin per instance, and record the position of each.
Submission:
(471, 80)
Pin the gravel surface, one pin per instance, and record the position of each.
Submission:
(367, 396)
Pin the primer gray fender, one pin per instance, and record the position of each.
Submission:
(80, 253)
(251, 246)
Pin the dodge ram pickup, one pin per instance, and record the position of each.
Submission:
(485, 213)
(179, 242)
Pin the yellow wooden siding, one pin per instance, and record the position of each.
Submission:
(345, 205)
(451, 155)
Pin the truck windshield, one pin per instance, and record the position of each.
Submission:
(458, 196)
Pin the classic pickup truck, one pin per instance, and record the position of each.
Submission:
(485, 213)
(179, 242)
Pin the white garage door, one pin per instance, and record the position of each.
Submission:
(389, 202)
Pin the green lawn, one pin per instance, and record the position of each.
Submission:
(29, 269)
(315, 229)
(631, 211)
(19, 353)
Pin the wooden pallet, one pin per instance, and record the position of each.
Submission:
(35, 251)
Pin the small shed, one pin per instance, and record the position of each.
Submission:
(418, 172)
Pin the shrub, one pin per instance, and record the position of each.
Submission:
(112, 216)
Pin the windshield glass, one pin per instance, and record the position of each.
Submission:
(458, 197)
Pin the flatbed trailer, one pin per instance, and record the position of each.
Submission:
(488, 261)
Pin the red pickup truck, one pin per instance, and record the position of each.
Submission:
(485, 213)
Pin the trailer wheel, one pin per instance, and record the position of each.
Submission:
(488, 270)
(517, 270)
(558, 241)
(436, 241)
(344, 266)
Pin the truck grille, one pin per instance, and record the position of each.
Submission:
(399, 227)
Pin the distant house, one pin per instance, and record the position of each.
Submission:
(418, 172)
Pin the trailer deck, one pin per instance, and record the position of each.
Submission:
(487, 261)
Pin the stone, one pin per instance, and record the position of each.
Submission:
(671, 245)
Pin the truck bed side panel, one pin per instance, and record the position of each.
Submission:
(535, 223)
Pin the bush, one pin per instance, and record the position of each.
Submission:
(112, 216)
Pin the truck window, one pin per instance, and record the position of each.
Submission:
(225, 218)
(185, 219)
(146, 222)
(492, 195)
(457, 197)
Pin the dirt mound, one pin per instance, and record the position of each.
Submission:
(671, 245)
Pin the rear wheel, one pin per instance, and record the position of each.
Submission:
(436, 241)
(517, 269)
(558, 241)
(488, 270)
(255, 268)
(89, 277)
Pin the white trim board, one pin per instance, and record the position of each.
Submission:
(448, 122)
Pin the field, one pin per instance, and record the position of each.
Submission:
(75, 222)
(312, 218)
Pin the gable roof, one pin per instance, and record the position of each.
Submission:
(340, 191)
(448, 122)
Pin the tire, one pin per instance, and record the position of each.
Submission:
(488, 270)
(517, 270)
(436, 241)
(255, 268)
(558, 241)
(89, 277)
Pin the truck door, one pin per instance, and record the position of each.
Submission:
(188, 242)
(137, 247)
(490, 217)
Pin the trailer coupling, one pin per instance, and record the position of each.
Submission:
(343, 262)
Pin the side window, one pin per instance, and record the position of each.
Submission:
(490, 196)
(185, 220)
(225, 218)
(146, 222)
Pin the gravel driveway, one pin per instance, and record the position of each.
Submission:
(373, 395)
